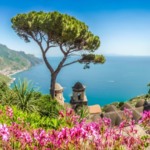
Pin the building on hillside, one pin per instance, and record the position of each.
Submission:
(95, 109)
(117, 115)
(110, 108)
(136, 114)
(78, 97)
(140, 103)
(59, 93)
(143, 103)
(94, 112)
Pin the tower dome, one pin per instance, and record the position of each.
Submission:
(78, 87)
(58, 87)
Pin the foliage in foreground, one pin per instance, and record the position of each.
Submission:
(31, 120)
(79, 135)
(25, 98)
(48, 128)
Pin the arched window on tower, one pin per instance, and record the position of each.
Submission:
(79, 96)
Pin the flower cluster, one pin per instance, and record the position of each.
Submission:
(145, 120)
(128, 113)
(4, 133)
(97, 135)
(69, 116)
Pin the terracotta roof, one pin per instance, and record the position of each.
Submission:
(95, 109)
(58, 87)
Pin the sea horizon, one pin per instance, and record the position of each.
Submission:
(119, 79)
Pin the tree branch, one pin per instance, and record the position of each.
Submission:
(62, 50)
(40, 37)
(45, 51)
(47, 63)
(43, 54)
(66, 54)
(61, 64)
(71, 63)
(74, 50)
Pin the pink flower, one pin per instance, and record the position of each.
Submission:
(145, 120)
(69, 112)
(63, 135)
(61, 114)
(9, 112)
(107, 121)
(26, 137)
(122, 124)
(128, 113)
(4, 133)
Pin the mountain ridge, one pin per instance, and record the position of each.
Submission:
(12, 61)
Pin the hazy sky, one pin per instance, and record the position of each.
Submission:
(122, 25)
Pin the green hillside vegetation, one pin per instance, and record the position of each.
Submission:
(11, 60)
(4, 78)
(33, 106)
(48, 123)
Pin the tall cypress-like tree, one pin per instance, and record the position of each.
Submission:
(54, 29)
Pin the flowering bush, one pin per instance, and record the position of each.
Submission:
(12, 114)
(77, 135)
(145, 119)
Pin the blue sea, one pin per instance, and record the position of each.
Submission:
(118, 79)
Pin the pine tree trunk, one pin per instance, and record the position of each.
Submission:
(52, 85)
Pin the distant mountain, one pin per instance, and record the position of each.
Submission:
(12, 61)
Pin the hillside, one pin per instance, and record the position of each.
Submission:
(4, 78)
(12, 61)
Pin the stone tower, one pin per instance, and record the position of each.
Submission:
(59, 93)
(78, 98)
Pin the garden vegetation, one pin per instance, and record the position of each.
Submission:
(29, 121)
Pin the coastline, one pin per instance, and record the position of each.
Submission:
(10, 73)
(15, 72)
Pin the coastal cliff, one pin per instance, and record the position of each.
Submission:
(12, 61)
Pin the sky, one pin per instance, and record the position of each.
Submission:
(122, 25)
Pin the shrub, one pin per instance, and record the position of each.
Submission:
(120, 104)
(25, 96)
(48, 107)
